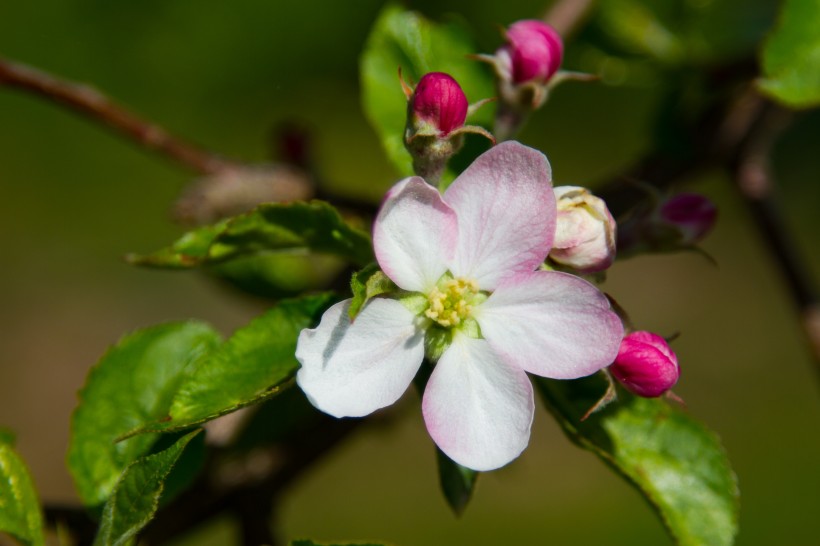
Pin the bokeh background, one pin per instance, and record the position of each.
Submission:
(75, 199)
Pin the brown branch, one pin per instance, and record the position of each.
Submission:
(92, 104)
(754, 179)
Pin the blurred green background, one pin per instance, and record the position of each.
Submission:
(76, 198)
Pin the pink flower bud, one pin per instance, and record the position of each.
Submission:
(691, 213)
(439, 101)
(535, 51)
(645, 365)
(584, 232)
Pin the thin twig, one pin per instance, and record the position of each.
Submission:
(753, 176)
(91, 103)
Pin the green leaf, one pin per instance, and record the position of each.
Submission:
(406, 39)
(791, 56)
(136, 495)
(315, 227)
(19, 508)
(255, 363)
(457, 482)
(7, 436)
(366, 284)
(676, 463)
(134, 383)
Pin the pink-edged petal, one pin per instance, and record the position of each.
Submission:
(414, 235)
(506, 214)
(353, 369)
(551, 324)
(477, 408)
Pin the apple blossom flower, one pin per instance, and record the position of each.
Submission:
(473, 301)
(645, 364)
(585, 231)
(436, 111)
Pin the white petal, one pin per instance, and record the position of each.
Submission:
(352, 369)
(551, 324)
(506, 214)
(414, 235)
(478, 409)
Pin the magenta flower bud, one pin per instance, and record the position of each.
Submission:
(691, 213)
(439, 102)
(584, 231)
(535, 51)
(645, 365)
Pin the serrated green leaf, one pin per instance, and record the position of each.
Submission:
(457, 482)
(406, 39)
(255, 363)
(19, 508)
(315, 227)
(366, 284)
(791, 56)
(133, 383)
(676, 463)
(136, 495)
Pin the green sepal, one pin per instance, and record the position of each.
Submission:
(457, 482)
(366, 284)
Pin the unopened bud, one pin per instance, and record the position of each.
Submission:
(436, 111)
(692, 214)
(584, 232)
(645, 365)
(535, 50)
(438, 105)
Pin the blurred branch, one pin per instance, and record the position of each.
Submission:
(764, 121)
(566, 16)
(92, 104)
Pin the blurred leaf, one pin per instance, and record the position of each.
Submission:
(406, 39)
(134, 383)
(315, 227)
(791, 56)
(675, 462)
(368, 283)
(135, 498)
(254, 364)
(19, 508)
(457, 482)
(7, 436)
(638, 27)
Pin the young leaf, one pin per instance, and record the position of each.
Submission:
(254, 364)
(457, 482)
(136, 495)
(134, 383)
(19, 508)
(791, 56)
(675, 462)
(368, 283)
(406, 39)
(314, 226)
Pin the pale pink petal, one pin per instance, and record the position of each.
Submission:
(506, 214)
(477, 408)
(551, 324)
(414, 235)
(352, 369)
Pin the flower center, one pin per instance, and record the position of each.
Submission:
(452, 301)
